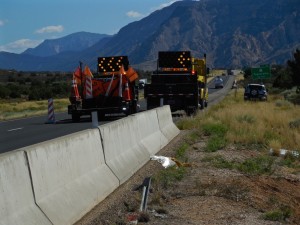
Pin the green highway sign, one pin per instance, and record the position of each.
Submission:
(262, 72)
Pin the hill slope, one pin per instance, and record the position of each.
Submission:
(232, 33)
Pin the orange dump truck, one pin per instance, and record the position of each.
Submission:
(112, 90)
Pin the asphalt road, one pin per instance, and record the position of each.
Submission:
(20, 133)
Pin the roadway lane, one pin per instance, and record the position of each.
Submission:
(20, 133)
(216, 95)
(24, 132)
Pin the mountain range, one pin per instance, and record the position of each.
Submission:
(232, 33)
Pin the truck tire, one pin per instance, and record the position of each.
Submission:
(202, 104)
(190, 112)
(101, 115)
(75, 117)
(134, 107)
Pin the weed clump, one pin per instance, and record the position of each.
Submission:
(281, 214)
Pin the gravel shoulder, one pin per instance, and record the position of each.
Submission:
(206, 195)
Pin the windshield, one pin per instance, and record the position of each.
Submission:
(256, 87)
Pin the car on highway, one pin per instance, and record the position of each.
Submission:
(256, 92)
(219, 83)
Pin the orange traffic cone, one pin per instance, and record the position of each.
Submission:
(51, 115)
(127, 92)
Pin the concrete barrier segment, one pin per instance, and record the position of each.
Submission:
(69, 175)
(167, 127)
(124, 153)
(149, 133)
(17, 206)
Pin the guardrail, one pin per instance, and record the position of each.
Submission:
(58, 181)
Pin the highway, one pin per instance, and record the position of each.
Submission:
(20, 133)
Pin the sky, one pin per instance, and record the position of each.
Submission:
(27, 23)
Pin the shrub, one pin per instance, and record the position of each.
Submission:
(256, 166)
(212, 129)
(169, 176)
(280, 214)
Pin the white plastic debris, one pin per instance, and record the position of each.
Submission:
(165, 161)
(283, 152)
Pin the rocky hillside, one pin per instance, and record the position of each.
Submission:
(74, 42)
(232, 33)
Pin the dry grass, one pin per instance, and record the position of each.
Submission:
(21, 108)
(264, 124)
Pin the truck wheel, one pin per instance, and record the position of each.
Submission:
(75, 117)
(190, 112)
(134, 107)
(201, 104)
(101, 116)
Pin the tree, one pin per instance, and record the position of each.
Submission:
(294, 66)
(4, 91)
(282, 77)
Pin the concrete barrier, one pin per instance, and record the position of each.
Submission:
(149, 133)
(17, 206)
(69, 175)
(165, 121)
(123, 150)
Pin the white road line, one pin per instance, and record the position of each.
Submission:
(19, 128)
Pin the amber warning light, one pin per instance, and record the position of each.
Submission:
(179, 59)
(112, 64)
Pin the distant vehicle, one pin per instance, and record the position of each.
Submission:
(256, 92)
(219, 83)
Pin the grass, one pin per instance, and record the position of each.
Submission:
(14, 109)
(280, 214)
(167, 177)
(20, 108)
(254, 166)
(272, 124)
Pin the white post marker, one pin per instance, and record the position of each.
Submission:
(51, 115)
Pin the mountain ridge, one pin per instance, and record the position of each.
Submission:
(73, 42)
(231, 33)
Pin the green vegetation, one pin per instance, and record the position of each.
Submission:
(253, 166)
(169, 176)
(280, 214)
(34, 86)
(166, 178)
(180, 152)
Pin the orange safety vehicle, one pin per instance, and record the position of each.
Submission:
(112, 90)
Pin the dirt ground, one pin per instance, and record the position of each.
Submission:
(205, 195)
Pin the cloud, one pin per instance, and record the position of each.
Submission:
(50, 29)
(20, 45)
(2, 23)
(170, 2)
(166, 4)
(134, 14)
